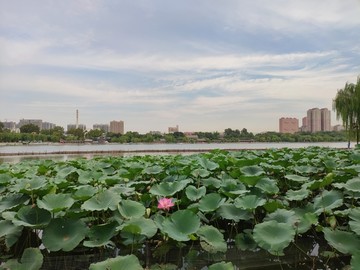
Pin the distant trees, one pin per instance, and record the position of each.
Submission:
(347, 107)
(1, 126)
(30, 128)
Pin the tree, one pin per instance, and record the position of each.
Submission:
(1, 126)
(79, 133)
(30, 128)
(347, 107)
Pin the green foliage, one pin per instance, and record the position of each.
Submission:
(30, 128)
(249, 200)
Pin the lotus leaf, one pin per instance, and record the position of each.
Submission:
(355, 260)
(141, 226)
(273, 236)
(327, 201)
(297, 195)
(5, 178)
(353, 185)
(153, 170)
(102, 201)
(200, 173)
(194, 193)
(231, 212)
(231, 186)
(64, 234)
(355, 222)
(211, 239)
(208, 164)
(253, 170)
(100, 235)
(306, 169)
(283, 216)
(211, 181)
(29, 185)
(129, 262)
(166, 189)
(245, 241)
(181, 224)
(84, 192)
(131, 209)
(345, 242)
(250, 180)
(306, 220)
(30, 216)
(211, 202)
(249, 202)
(267, 185)
(55, 202)
(12, 200)
(297, 178)
(10, 231)
(222, 266)
(31, 259)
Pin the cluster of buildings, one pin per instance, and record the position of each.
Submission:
(15, 127)
(315, 120)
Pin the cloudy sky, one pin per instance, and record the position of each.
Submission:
(204, 65)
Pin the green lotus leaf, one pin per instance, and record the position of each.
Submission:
(355, 222)
(328, 200)
(200, 173)
(273, 236)
(86, 177)
(30, 216)
(55, 202)
(129, 262)
(102, 201)
(29, 185)
(131, 209)
(252, 170)
(211, 181)
(210, 202)
(250, 180)
(181, 224)
(10, 231)
(166, 189)
(345, 242)
(31, 259)
(231, 212)
(167, 266)
(355, 260)
(85, 192)
(272, 205)
(297, 178)
(353, 185)
(5, 178)
(283, 216)
(64, 234)
(327, 180)
(100, 235)
(306, 169)
(140, 225)
(231, 186)
(153, 170)
(208, 164)
(245, 241)
(222, 266)
(267, 185)
(249, 202)
(12, 200)
(63, 172)
(211, 239)
(297, 195)
(306, 220)
(194, 193)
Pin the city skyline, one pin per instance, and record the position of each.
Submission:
(205, 66)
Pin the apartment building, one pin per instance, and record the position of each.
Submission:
(288, 125)
(117, 127)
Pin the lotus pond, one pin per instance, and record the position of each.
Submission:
(278, 208)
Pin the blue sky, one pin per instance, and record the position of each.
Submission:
(204, 65)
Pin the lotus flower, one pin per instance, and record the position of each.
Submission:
(165, 203)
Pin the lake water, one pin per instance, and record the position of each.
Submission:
(16, 153)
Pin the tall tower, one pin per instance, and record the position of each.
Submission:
(77, 119)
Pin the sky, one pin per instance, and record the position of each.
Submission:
(204, 65)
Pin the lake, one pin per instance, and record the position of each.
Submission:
(17, 153)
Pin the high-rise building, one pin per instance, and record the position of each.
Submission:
(325, 119)
(47, 125)
(117, 127)
(304, 127)
(318, 120)
(74, 126)
(288, 125)
(10, 125)
(173, 129)
(103, 127)
(36, 122)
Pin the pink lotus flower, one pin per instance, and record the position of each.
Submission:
(165, 203)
